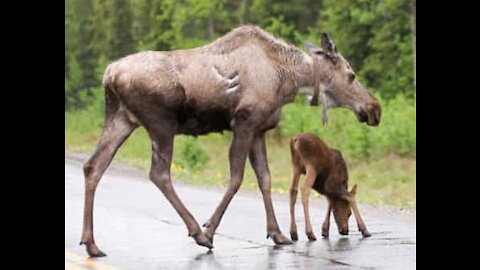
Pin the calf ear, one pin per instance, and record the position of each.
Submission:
(348, 197)
(354, 190)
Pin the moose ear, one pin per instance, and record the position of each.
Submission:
(328, 45)
(354, 190)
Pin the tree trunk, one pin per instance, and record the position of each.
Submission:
(211, 28)
(414, 42)
(244, 12)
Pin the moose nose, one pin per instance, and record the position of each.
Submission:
(362, 116)
(373, 119)
(343, 231)
(369, 114)
(374, 113)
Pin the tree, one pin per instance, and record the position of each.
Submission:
(414, 41)
(376, 38)
(112, 24)
(78, 58)
(154, 25)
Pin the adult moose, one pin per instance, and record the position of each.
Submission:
(178, 92)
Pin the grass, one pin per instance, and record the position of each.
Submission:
(388, 180)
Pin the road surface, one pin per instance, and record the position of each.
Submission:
(138, 229)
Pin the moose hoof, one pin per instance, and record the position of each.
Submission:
(93, 250)
(365, 233)
(202, 240)
(325, 233)
(294, 236)
(280, 239)
(209, 234)
(311, 236)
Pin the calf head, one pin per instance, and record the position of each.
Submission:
(341, 209)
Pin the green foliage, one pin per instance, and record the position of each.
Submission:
(88, 119)
(73, 82)
(395, 134)
(280, 28)
(376, 37)
(190, 154)
(153, 28)
(112, 34)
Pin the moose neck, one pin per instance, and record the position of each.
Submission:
(302, 76)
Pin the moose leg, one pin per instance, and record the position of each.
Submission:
(307, 186)
(258, 160)
(241, 143)
(361, 225)
(116, 131)
(350, 197)
(292, 201)
(326, 222)
(162, 148)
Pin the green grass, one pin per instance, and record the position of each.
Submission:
(383, 177)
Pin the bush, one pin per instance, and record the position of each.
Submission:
(395, 134)
(190, 154)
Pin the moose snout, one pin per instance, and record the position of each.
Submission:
(371, 114)
(343, 228)
(362, 116)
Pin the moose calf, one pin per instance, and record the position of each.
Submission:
(326, 172)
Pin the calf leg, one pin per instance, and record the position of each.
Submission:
(292, 201)
(353, 203)
(306, 188)
(258, 160)
(116, 131)
(326, 222)
(361, 225)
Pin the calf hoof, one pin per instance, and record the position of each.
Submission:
(294, 236)
(311, 236)
(93, 250)
(279, 239)
(365, 233)
(202, 240)
(325, 233)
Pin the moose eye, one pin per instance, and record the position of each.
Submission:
(351, 77)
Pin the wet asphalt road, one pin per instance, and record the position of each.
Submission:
(138, 229)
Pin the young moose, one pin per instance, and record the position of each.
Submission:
(326, 172)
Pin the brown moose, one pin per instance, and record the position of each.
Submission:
(325, 172)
